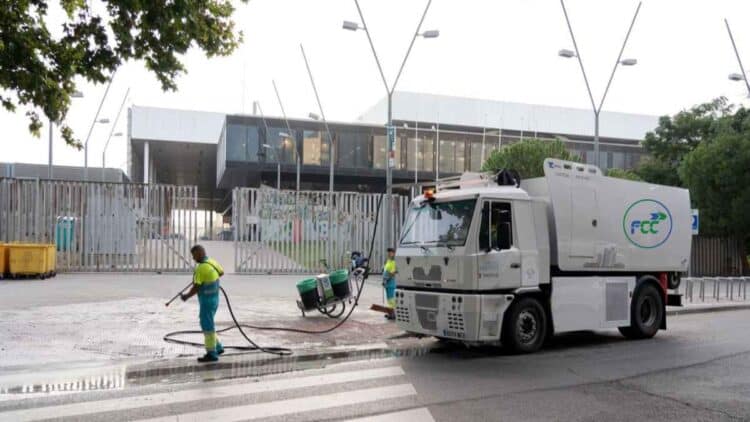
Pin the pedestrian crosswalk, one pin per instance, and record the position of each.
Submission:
(344, 394)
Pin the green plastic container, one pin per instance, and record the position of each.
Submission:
(340, 283)
(308, 292)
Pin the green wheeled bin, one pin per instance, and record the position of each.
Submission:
(308, 293)
(340, 283)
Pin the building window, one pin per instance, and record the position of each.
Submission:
(312, 147)
(353, 148)
(379, 152)
(242, 142)
(452, 156)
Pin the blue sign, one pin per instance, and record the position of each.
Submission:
(695, 221)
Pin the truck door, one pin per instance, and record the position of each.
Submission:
(498, 260)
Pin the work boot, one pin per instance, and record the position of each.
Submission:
(219, 349)
(208, 357)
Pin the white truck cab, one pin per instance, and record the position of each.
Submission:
(482, 262)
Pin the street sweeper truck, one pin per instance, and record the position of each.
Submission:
(491, 259)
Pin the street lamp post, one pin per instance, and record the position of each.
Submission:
(111, 133)
(737, 77)
(289, 135)
(278, 165)
(620, 61)
(91, 129)
(354, 26)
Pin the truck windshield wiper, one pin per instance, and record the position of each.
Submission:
(425, 249)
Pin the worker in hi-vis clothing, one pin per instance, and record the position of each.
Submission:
(206, 285)
(389, 280)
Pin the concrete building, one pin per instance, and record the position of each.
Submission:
(436, 136)
(69, 173)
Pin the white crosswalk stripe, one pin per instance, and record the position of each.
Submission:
(287, 407)
(147, 404)
(414, 415)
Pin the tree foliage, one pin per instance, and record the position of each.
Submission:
(39, 63)
(677, 136)
(717, 175)
(527, 157)
(624, 174)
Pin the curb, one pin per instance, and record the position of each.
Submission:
(263, 364)
(708, 309)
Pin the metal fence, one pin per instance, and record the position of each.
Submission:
(103, 226)
(715, 289)
(716, 256)
(290, 232)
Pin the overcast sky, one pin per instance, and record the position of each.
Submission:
(491, 49)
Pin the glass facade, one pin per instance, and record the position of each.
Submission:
(242, 142)
(363, 147)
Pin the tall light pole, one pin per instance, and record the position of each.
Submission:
(353, 26)
(738, 76)
(111, 132)
(91, 129)
(620, 61)
(75, 94)
(289, 135)
(278, 165)
(331, 153)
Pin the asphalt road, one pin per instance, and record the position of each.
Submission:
(697, 370)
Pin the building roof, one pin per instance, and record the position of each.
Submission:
(164, 124)
(443, 109)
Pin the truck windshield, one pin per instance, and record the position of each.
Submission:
(438, 224)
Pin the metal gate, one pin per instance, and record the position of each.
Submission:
(291, 232)
(103, 226)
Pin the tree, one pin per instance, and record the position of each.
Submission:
(717, 175)
(677, 136)
(39, 66)
(623, 174)
(527, 157)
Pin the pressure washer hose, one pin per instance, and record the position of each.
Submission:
(281, 351)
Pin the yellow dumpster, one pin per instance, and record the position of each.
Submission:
(27, 259)
(3, 259)
(51, 260)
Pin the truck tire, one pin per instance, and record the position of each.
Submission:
(525, 326)
(673, 283)
(646, 313)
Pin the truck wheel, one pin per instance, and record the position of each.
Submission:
(646, 313)
(525, 326)
(673, 283)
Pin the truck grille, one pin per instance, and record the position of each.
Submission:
(434, 274)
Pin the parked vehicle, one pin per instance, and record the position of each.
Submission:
(489, 259)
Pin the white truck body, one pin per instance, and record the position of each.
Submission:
(579, 242)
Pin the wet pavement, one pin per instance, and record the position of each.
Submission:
(104, 333)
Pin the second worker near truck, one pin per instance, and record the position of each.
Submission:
(389, 281)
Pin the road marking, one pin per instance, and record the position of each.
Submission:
(291, 406)
(414, 415)
(125, 403)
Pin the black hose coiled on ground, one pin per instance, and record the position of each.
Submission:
(281, 351)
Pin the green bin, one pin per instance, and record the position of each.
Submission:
(340, 283)
(308, 292)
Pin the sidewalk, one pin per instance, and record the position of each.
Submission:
(107, 317)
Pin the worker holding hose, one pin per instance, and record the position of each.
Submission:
(206, 285)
